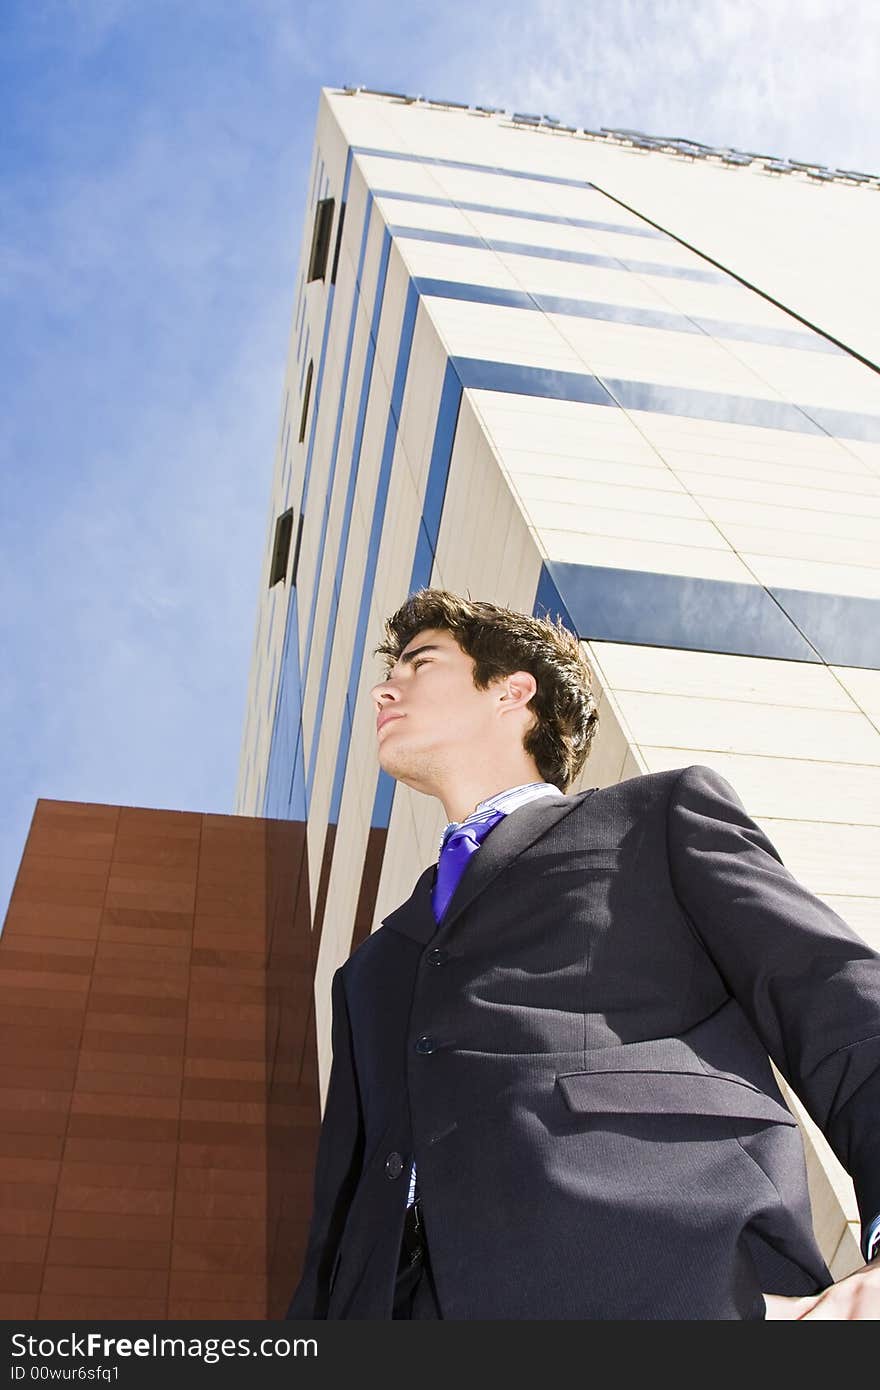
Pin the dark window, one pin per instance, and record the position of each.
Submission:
(306, 398)
(338, 244)
(299, 534)
(321, 239)
(281, 549)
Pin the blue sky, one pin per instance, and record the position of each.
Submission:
(153, 171)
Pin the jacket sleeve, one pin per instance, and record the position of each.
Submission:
(809, 984)
(337, 1167)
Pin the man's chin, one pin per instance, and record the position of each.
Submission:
(389, 765)
(396, 769)
(398, 773)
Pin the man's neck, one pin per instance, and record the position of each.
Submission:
(459, 807)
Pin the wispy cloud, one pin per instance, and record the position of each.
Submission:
(796, 77)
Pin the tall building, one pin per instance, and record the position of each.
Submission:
(624, 379)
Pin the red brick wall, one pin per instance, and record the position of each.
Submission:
(159, 1095)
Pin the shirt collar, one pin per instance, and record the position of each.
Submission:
(506, 801)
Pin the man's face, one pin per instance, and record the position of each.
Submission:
(439, 721)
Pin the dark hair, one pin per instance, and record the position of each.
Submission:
(500, 642)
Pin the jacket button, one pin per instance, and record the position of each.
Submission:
(425, 1046)
(437, 956)
(393, 1165)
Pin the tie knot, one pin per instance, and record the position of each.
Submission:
(458, 847)
(475, 828)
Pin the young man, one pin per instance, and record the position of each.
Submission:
(550, 1094)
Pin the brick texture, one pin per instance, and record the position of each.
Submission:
(160, 1102)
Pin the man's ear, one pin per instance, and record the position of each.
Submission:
(518, 688)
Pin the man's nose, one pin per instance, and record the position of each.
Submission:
(384, 693)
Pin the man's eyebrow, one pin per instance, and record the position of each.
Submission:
(407, 657)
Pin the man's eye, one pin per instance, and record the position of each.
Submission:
(421, 662)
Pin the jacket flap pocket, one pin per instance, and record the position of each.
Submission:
(654, 1092)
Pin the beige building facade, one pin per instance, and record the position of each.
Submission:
(627, 380)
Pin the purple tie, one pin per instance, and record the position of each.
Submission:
(454, 855)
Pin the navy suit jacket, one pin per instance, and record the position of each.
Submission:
(577, 1059)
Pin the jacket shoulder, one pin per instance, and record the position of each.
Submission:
(650, 787)
(656, 796)
(645, 789)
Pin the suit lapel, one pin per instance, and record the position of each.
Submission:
(509, 838)
(415, 917)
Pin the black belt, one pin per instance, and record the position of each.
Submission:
(412, 1246)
